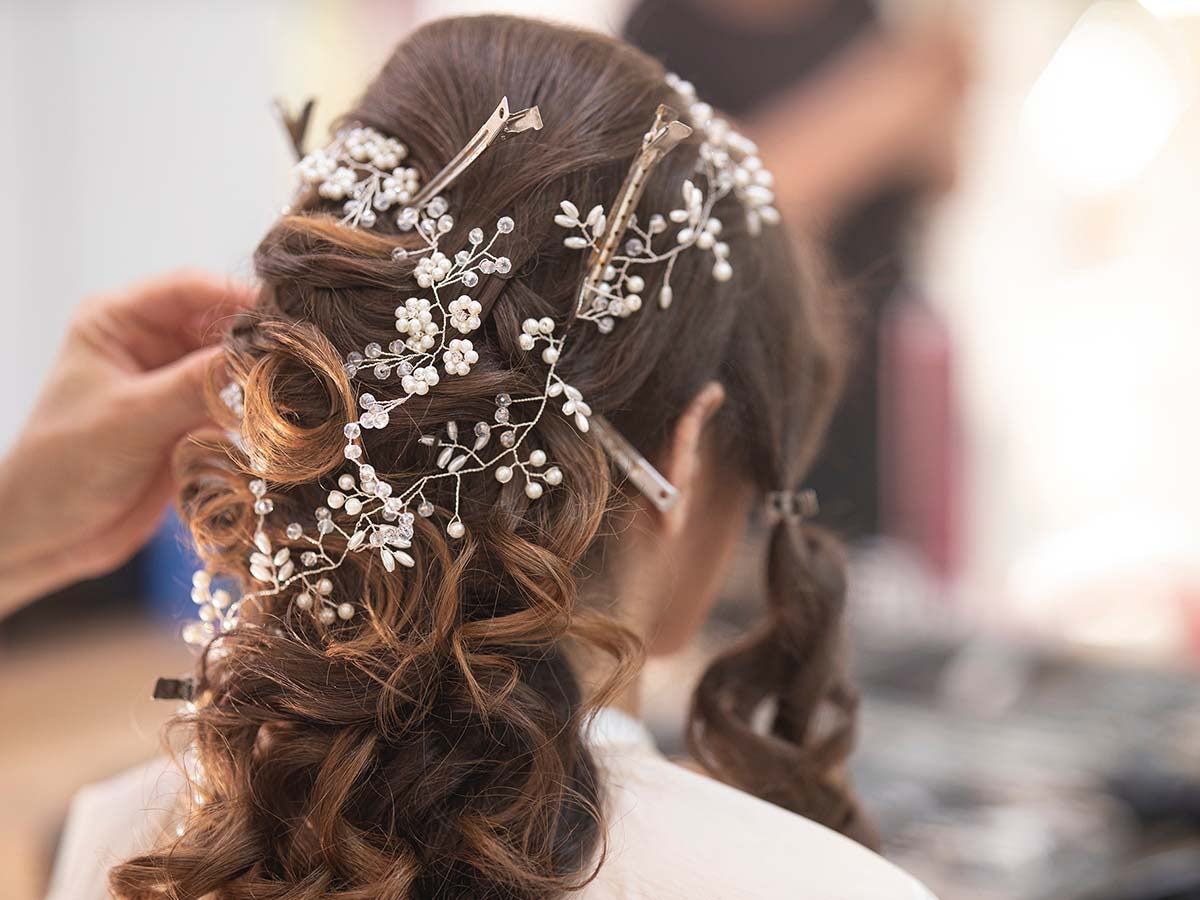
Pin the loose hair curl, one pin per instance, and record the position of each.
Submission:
(431, 747)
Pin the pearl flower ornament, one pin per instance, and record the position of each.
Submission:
(363, 168)
(465, 313)
(460, 355)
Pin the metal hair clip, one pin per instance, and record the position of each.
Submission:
(499, 125)
(664, 135)
(797, 504)
(363, 168)
(640, 472)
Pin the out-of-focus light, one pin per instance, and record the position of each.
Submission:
(1106, 104)
(1169, 8)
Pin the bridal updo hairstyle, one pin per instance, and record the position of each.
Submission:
(431, 746)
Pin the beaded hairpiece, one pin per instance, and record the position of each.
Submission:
(366, 513)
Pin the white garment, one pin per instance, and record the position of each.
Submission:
(672, 834)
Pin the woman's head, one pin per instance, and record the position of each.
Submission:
(432, 745)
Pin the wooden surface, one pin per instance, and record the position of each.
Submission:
(75, 708)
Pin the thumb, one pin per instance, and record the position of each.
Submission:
(178, 393)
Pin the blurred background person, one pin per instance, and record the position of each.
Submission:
(860, 118)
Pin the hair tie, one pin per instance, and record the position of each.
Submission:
(797, 505)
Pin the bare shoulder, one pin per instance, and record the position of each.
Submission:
(674, 833)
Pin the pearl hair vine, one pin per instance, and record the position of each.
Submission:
(366, 512)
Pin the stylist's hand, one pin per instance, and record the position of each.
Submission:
(86, 482)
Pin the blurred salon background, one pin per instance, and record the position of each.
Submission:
(1007, 192)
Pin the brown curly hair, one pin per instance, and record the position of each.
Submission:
(431, 747)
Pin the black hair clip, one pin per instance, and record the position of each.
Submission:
(295, 123)
(175, 689)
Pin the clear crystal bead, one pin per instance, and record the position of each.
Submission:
(470, 279)
(373, 350)
(351, 430)
(404, 527)
(503, 265)
(294, 531)
(482, 429)
(309, 558)
(382, 371)
(504, 225)
(504, 400)
(399, 254)
(258, 487)
(475, 236)
(425, 509)
(508, 438)
(606, 324)
(264, 506)
(502, 415)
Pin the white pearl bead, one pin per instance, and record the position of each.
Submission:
(526, 341)
(533, 490)
(546, 325)
(550, 355)
(201, 578)
(456, 529)
(345, 611)
(504, 474)
(346, 482)
(304, 601)
(327, 615)
(554, 476)
(335, 500)
(325, 586)
(537, 458)
(722, 271)
(353, 506)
